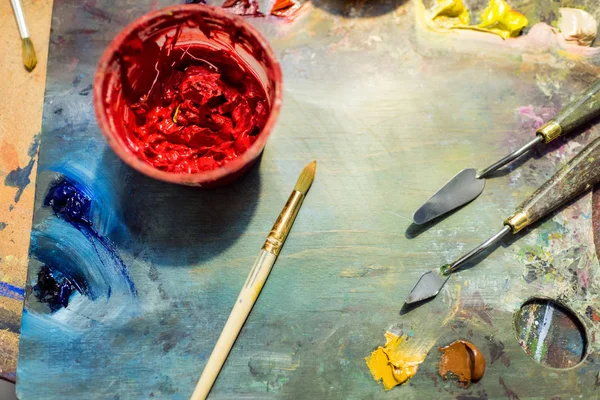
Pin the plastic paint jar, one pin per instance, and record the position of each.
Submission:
(132, 68)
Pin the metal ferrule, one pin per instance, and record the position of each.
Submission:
(517, 221)
(284, 222)
(550, 131)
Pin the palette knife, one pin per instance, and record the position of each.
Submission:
(468, 184)
(578, 176)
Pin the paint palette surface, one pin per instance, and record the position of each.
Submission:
(131, 280)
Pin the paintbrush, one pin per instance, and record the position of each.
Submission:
(254, 283)
(29, 58)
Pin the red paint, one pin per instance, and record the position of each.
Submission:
(203, 111)
(281, 7)
(243, 7)
(210, 68)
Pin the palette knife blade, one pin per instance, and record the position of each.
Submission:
(460, 190)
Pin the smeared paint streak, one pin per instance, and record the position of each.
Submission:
(73, 204)
(83, 280)
(100, 14)
(496, 348)
(463, 360)
(34, 146)
(19, 177)
(509, 393)
(98, 291)
(9, 157)
(480, 395)
(81, 31)
(475, 306)
(11, 291)
(544, 332)
(394, 363)
(530, 113)
(362, 272)
(86, 90)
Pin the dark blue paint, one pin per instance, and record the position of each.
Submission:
(2, 225)
(10, 291)
(72, 203)
(53, 289)
(69, 202)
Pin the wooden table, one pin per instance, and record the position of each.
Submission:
(21, 101)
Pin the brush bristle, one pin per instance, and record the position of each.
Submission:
(29, 58)
(306, 177)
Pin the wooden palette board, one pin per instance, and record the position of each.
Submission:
(390, 111)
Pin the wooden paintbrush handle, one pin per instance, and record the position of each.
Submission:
(575, 114)
(243, 305)
(579, 175)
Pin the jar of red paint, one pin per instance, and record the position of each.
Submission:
(188, 94)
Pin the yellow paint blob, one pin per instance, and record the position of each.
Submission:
(502, 20)
(497, 18)
(394, 363)
(450, 13)
(176, 114)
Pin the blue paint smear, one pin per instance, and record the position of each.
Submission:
(2, 225)
(97, 190)
(81, 259)
(69, 202)
(19, 177)
(73, 204)
(10, 291)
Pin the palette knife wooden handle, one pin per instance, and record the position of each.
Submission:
(575, 114)
(578, 176)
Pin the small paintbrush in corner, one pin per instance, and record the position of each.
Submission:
(254, 283)
(29, 58)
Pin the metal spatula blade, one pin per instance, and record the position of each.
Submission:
(428, 286)
(431, 282)
(460, 190)
(469, 183)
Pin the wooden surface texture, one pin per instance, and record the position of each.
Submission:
(21, 103)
